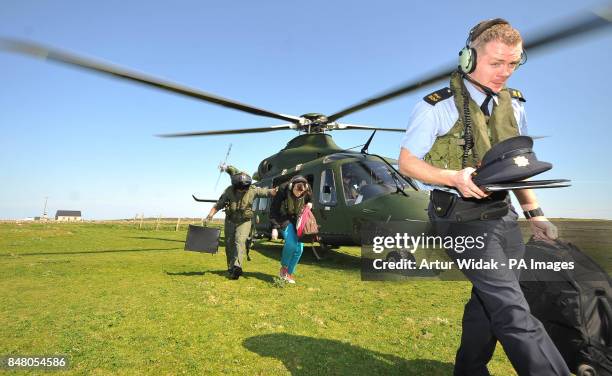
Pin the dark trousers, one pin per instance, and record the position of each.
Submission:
(497, 309)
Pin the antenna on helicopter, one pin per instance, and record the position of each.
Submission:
(365, 147)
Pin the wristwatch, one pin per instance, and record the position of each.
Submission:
(533, 213)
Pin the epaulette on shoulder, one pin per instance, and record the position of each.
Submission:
(438, 96)
(516, 94)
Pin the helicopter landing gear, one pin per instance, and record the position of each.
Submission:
(323, 250)
(314, 252)
(396, 256)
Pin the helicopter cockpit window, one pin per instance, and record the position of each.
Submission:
(366, 179)
(327, 189)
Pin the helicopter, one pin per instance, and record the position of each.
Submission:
(350, 188)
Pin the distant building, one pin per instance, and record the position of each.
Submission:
(68, 215)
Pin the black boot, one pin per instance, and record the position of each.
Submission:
(236, 273)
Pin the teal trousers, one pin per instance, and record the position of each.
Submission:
(292, 250)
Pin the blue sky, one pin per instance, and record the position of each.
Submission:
(86, 141)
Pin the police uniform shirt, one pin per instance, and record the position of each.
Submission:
(427, 122)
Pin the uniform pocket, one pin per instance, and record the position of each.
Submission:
(455, 151)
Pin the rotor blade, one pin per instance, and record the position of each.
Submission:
(37, 50)
(203, 199)
(401, 90)
(589, 23)
(229, 149)
(223, 164)
(231, 131)
(341, 126)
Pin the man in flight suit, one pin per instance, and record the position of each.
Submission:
(448, 134)
(237, 200)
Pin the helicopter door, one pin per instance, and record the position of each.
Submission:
(261, 221)
(334, 226)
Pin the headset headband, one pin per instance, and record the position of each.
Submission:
(298, 179)
(477, 30)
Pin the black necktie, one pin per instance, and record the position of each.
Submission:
(484, 107)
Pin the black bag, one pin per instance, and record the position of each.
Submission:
(202, 239)
(573, 305)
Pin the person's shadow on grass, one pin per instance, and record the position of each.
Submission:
(312, 356)
(186, 274)
(245, 274)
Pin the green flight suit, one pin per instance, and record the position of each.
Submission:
(238, 214)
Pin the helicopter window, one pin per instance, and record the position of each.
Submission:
(339, 156)
(327, 189)
(263, 204)
(367, 179)
(255, 204)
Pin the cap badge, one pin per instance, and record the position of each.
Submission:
(521, 161)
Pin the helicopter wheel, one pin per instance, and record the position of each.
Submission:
(325, 247)
(397, 256)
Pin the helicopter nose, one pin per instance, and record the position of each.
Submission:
(397, 207)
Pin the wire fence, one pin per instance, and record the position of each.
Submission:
(140, 223)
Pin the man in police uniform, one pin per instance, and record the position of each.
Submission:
(448, 134)
(237, 200)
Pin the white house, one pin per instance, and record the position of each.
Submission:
(68, 215)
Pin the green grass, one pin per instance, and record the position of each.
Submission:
(118, 300)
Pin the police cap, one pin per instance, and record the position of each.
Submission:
(509, 161)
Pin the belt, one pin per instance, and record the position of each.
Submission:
(460, 209)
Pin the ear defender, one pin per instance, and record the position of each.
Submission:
(467, 60)
(523, 59)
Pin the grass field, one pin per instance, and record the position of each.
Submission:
(119, 300)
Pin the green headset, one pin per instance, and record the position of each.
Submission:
(468, 56)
